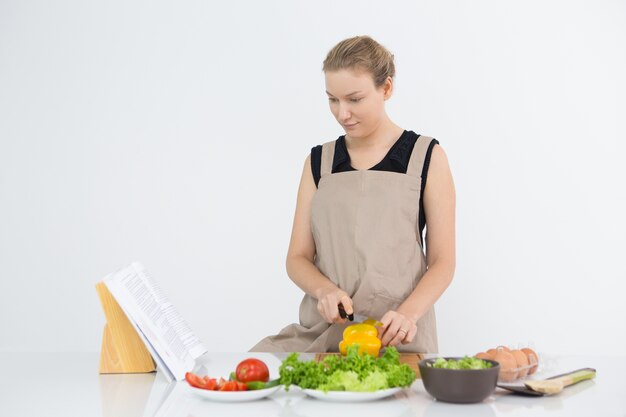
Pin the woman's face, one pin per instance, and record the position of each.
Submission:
(355, 102)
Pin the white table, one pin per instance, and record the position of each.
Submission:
(64, 384)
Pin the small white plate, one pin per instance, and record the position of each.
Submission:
(350, 396)
(234, 396)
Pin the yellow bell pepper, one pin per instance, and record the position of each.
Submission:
(364, 335)
(373, 322)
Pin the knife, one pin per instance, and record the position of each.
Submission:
(552, 385)
(556, 384)
(359, 318)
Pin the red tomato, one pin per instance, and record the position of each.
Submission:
(229, 386)
(241, 386)
(196, 381)
(211, 383)
(252, 370)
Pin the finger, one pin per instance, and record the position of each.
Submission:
(385, 320)
(333, 312)
(400, 335)
(322, 308)
(347, 304)
(403, 332)
(409, 337)
(391, 331)
(338, 319)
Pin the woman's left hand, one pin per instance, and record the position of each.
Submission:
(397, 328)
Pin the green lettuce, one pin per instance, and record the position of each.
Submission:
(353, 372)
(464, 363)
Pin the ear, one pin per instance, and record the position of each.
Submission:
(388, 88)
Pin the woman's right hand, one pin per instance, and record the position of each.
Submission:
(328, 302)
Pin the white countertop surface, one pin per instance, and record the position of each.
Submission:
(62, 384)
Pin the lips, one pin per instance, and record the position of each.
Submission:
(352, 125)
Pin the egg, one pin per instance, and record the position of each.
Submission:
(492, 352)
(507, 365)
(505, 348)
(483, 355)
(522, 362)
(533, 359)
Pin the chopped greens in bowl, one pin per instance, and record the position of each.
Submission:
(463, 363)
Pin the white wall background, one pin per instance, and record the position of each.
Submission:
(174, 132)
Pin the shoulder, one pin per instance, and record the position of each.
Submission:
(430, 151)
(439, 173)
(319, 152)
(315, 156)
(438, 157)
(436, 167)
(325, 145)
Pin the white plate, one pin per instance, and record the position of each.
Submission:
(234, 396)
(349, 396)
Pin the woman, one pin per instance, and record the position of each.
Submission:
(363, 204)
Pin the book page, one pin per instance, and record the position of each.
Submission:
(177, 330)
(157, 320)
(161, 366)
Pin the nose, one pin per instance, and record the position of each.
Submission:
(344, 113)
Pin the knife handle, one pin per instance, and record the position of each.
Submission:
(343, 314)
(574, 377)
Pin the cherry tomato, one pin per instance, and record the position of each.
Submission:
(252, 370)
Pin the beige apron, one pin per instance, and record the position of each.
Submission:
(366, 232)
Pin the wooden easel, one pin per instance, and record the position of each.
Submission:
(123, 351)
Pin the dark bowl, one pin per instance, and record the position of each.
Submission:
(459, 385)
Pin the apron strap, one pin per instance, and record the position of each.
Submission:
(328, 154)
(420, 156)
(418, 167)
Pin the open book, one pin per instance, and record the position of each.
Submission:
(171, 342)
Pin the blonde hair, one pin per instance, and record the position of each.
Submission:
(361, 53)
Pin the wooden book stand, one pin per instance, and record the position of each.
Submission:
(123, 351)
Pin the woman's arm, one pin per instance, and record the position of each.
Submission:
(300, 256)
(439, 207)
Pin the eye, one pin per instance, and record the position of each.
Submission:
(355, 100)
(332, 99)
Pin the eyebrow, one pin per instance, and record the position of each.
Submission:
(347, 95)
